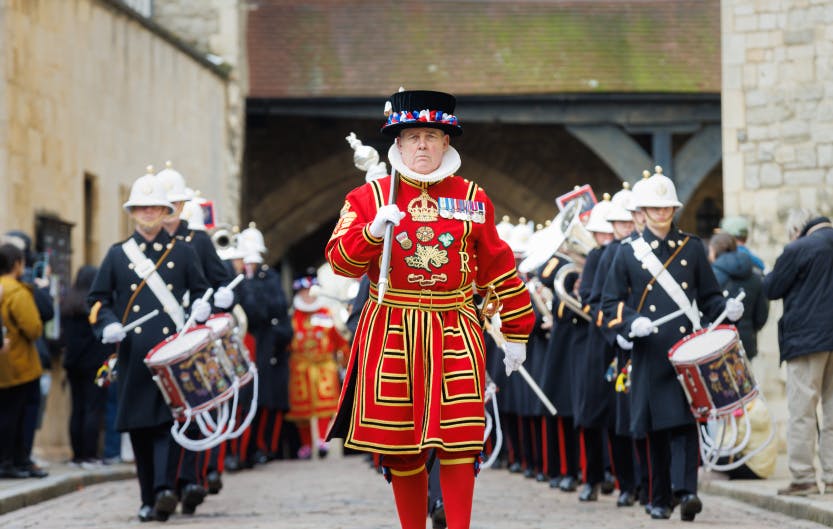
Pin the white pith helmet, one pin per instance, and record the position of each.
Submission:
(251, 243)
(658, 192)
(598, 215)
(147, 190)
(174, 184)
(619, 205)
(637, 188)
(504, 228)
(193, 215)
(519, 236)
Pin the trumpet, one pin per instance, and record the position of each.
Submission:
(542, 297)
(223, 237)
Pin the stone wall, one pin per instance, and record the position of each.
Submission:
(777, 130)
(90, 90)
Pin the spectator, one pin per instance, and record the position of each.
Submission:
(803, 277)
(738, 227)
(735, 272)
(20, 367)
(83, 355)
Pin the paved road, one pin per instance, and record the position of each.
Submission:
(344, 493)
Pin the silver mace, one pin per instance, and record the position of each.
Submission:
(384, 266)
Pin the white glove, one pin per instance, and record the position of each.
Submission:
(734, 309)
(201, 309)
(514, 356)
(223, 298)
(113, 333)
(389, 213)
(642, 327)
(624, 343)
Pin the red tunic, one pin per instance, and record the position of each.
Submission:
(313, 372)
(415, 377)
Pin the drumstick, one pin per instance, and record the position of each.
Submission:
(133, 324)
(665, 319)
(722, 316)
(190, 321)
(236, 281)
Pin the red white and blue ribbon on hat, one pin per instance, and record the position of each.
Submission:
(424, 116)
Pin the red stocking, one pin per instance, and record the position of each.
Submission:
(457, 483)
(410, 491)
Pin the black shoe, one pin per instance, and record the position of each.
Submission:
(661, 513)
(232, 463)
(589, 493)
(165, 504)
(214, 481)
(625, 499)
(146, 513)
(648, 508)
(529, 473)
(555, 482)
(14, 473)
(568, 484)
(540, 477)
(515, 468)
(690, 505)
(438, 516)
(192, 495)
(609, 484)
(34, 471)
(260, 458)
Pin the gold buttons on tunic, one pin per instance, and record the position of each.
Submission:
(682, 329)
(170, 264)
(130, 266)
(652, 308)
(138, 330)
(672, 244)
(135, 308)
(165, 330)
(644, 266)
(143, 247)
(684, 262)
(170, 286)
(650, 287)
(654, 244)
(684, 284)
(133, 286)
(157, 246)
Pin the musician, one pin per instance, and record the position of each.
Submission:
(423, 340)
(631, 299)
(608, 356)
(188, 466)
(313, 370)
(563, 446)
(151, 270)
(591, 406)
(263, 299)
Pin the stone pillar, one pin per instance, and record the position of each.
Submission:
(777, 113)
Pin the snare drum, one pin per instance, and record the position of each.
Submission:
(236, 357)
(714, 373)
(189, 372)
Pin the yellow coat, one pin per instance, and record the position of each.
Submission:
(20, 363)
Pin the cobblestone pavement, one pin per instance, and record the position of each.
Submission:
(344, 493)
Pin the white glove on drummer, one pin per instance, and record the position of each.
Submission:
(113, 333)
(201, 309)
(624, 343)
(642, 327)
(385, 214)
(223, 298)
(514, 356)
(734, 309)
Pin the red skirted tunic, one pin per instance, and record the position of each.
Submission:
(313, 371)
(415, 376)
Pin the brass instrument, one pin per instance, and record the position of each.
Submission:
(568, 236)
(223, 236)
(542, 297)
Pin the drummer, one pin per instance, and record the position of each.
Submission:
(659, 407)
(150, 270)
(190, 483)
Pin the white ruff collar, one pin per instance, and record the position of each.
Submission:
(303, 306)
(449, 166)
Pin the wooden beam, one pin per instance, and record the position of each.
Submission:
(615, 147)
(701, 153)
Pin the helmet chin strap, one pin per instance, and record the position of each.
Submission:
(656, 225)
